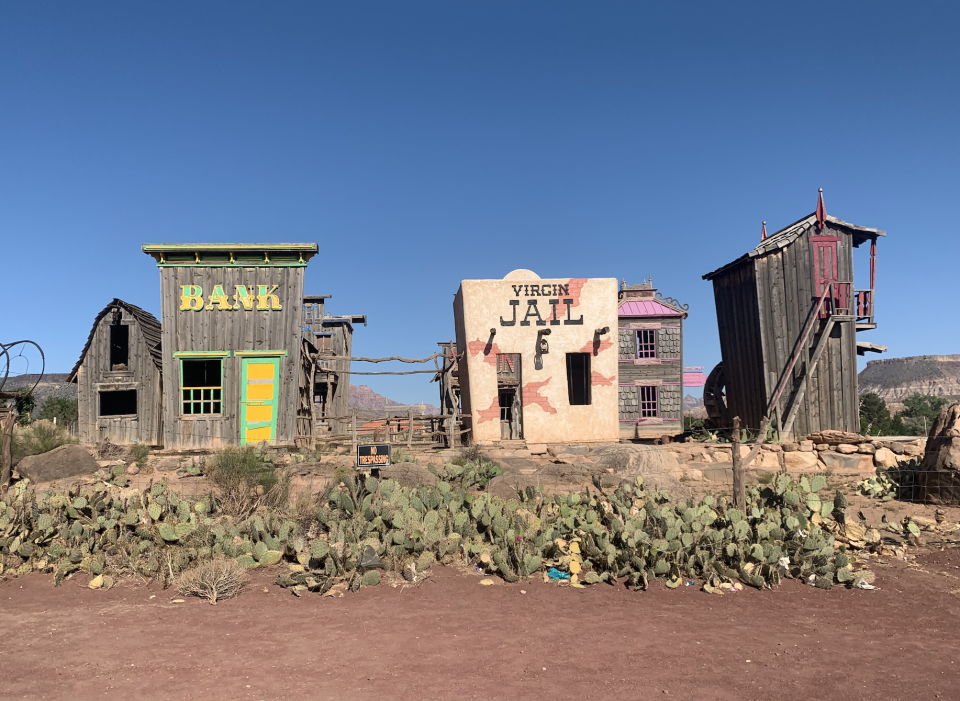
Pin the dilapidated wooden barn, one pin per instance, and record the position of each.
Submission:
(119, 378)
(788, 316)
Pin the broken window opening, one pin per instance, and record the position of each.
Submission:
(119, 347)
(646, 343)
(121, 402)
(578, 378)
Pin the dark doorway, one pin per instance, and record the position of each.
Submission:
(508, 389)
(119, 347)
(578, 378)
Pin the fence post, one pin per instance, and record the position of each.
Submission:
(409, 428)
(353, 426)
(739, 489)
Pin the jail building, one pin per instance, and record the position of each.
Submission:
(536, 359)
(650, 377)
(119, 378)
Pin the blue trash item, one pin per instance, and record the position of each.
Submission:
(554, 573)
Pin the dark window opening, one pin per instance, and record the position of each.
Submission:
(121, 402)
(578, 378)
(201, 386)
(119, 347)
(648, 402)
(646, 343)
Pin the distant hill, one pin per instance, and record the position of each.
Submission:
(53, 384)
(897, 378)
(693, 406)
(366, 400)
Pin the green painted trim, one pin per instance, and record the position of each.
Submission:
(227, 247)
(274, 403)
(180, 382)
(260, 353)
(202, 354)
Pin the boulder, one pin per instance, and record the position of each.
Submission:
(836, 437)
(911, 449)
(790, 447)
(770, 461)
(569, 449)
(800, 461)
(537, 448)
(884, 458)
(841, 461)
(806, 446)
(409, 475)
(60, 463)
(821, 447)
(847, 448)
(627, 460)
(866, 448)
(773, 447)
(719, 472)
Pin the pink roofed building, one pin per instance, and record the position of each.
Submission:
(651, 372)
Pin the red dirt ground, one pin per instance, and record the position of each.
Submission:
(454, 639)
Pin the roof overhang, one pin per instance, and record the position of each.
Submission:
(224, 255)
(788, 234)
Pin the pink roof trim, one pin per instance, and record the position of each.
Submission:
(646, 307)
(694, 379)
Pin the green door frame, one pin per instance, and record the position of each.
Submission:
(273, 403)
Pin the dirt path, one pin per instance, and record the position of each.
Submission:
(455, 639)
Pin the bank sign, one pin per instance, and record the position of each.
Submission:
(260, 297)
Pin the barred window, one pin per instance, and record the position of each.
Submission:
(648, 401)
(201, 386)
(647, 343)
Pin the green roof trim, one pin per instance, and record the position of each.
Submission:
(224, 255)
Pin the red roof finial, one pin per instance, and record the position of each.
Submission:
(763, 232)
(821, 211)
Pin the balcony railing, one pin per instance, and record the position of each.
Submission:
(864, 306)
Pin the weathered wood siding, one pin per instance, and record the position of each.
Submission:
(786, 292)
(738, 324)
(762, 306)
(666, 369)
(95, 375)
(235, 330)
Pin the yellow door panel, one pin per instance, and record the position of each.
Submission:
(259, 392)
(260, 371)
(256, 414)
(255, 435)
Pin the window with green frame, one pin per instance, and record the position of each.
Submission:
(201, 385)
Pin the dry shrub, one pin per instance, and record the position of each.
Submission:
(247, 480)
(213, 580)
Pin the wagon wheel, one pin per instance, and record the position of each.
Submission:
(715, 398)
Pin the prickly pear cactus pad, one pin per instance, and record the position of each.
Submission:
(630, 535)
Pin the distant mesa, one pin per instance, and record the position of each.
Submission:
(895, 379)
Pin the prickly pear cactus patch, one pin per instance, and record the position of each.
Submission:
(631, 534)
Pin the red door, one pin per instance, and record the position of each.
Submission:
(825, 271)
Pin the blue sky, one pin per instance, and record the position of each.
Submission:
(424, 143)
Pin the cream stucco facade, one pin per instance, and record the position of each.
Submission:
(533, 352)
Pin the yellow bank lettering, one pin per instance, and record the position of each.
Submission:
(265, 299)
